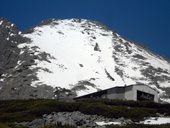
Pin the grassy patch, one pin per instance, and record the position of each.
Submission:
(28, 110)
(10, 125)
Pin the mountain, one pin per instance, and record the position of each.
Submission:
(73, 57)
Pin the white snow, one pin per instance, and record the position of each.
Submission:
(70, 50)
(1, 22)
(4, 75)
(167, 100)
(101, 123)
(12, 34)
(87, 91)
(164, 84)
(21, 52)
(157, 120)
(148, 121)
(70, 45)
(2, 79)
(18, 64)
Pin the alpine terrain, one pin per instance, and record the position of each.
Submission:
(73, 57)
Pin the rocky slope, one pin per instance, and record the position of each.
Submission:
(76, 119)
(65, 58)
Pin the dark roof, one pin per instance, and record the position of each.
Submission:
(102, 91)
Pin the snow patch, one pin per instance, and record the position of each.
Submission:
(12, 34)
(1, 22)
(167, 100)
(102, 123)
(2, 79)
(156, 120)
(19, 33)
(164, 84)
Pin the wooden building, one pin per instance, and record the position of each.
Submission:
(132, 92)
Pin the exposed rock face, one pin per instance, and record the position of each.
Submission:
(9, 56)
(15, 75)
(73, 118)
(77, 119)
(8, 46)
(60, 59)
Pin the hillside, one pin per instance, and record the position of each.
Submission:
(75, 57)
(41, 112)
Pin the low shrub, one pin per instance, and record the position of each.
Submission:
(27, 110)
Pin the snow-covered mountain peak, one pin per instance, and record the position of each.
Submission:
(79, 51)
(85, 56)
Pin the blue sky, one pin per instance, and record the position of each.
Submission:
(144, 21)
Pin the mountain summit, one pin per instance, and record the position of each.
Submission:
(74, 57)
